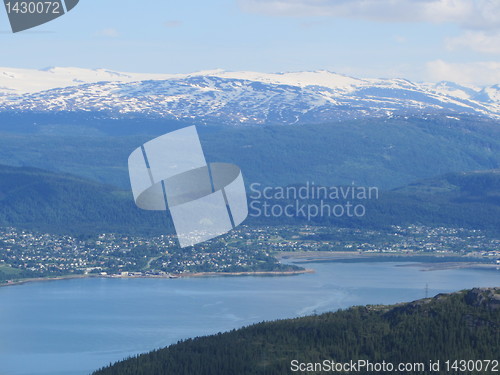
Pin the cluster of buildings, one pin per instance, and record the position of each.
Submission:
(242, 250)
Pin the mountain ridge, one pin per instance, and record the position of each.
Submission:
(70, 204)
(240, 97)
(45, 201)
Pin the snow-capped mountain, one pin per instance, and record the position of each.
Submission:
(239, 97)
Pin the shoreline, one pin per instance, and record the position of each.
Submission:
(414, 260)
(314, 256)
(249, 273)
(301, 257)
(173, 276)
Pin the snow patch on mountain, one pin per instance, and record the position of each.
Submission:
(239, 97)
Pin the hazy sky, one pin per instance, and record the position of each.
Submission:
(423, 40)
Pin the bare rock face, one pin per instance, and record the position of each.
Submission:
(489, 297)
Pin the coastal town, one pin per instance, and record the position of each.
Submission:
(25, 254)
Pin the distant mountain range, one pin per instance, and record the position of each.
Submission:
(219, 97)
(86, 123)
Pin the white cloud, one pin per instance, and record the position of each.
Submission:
(480, 41)
(399, 39)
(471, 14)
(172, 24)
(476, 73)
(109, 33)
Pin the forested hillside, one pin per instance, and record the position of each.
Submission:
(384, 153)
(60, 203)
(458, 326)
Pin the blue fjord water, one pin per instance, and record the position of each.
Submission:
(72, 327)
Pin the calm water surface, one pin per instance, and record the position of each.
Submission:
(73, 327)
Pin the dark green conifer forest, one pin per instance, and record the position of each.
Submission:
(459, 326)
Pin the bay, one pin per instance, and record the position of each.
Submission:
(73, 327)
